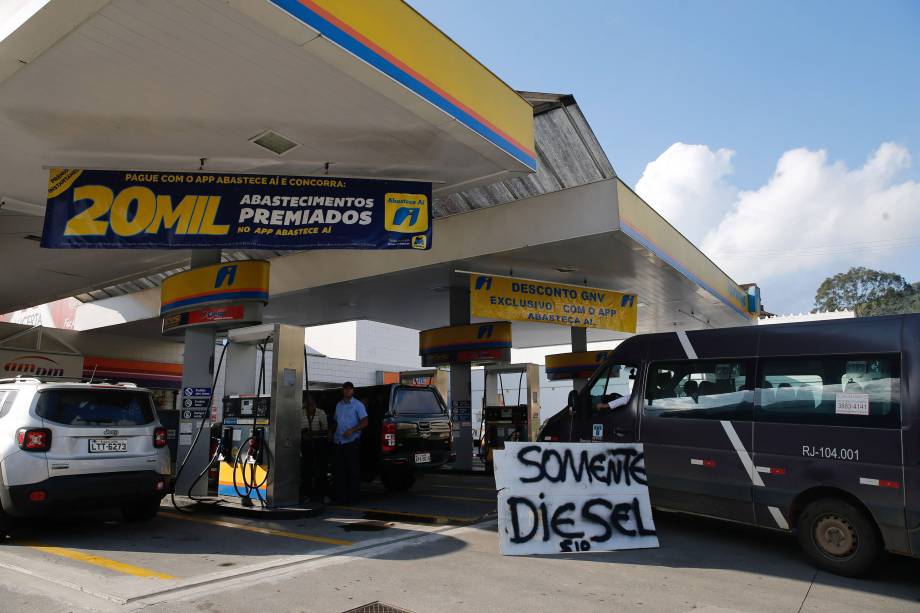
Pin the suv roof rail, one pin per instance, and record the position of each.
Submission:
(50, 379)
(33, 380)
(41, 378)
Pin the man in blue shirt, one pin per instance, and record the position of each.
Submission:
(350, 419)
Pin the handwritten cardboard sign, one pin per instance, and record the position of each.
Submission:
(572, 497)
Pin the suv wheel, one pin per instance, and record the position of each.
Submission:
(839, 537)
(6, 524)
(397, 479)
(141, 511)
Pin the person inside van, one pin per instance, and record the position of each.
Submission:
(613, 401)
(660, 386)
(692, 390)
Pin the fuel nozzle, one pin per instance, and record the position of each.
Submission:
(257, 444)
(226, 444)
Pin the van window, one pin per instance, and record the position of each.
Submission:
(700, 389)
(93, 407)
(831, 390)
(417, 402)
(614, 379)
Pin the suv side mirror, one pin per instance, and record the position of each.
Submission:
(573, 399)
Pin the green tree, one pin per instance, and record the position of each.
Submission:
(907, 301)
(867, 292)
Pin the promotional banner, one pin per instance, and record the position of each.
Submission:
(108, 209)
(572, 497)
(492, 296)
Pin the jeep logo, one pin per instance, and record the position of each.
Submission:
(108, 432)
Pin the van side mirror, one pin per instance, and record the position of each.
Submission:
(573, 399)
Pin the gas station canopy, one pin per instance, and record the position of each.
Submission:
(521, 186)
(366, 89)
(599, 234)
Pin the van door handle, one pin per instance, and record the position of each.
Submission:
(620, 432)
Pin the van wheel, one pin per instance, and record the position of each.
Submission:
(839, 537)
(141, 511)
(397, 480)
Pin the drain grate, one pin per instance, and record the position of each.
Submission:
(377, 607)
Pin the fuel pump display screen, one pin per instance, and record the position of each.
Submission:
(243, 409)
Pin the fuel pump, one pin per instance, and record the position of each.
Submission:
(244, 464)
(508, 415)
(260, 424)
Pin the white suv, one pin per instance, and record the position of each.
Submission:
(66, 445)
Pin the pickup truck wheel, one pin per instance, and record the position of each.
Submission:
(141, 511)
(397, 480)
(839, 537)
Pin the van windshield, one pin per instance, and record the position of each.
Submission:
(615, 381)
(417, 402)
(95, 407)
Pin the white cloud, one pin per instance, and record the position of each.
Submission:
(812, 218)
(686, 185)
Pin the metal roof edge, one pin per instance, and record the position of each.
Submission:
(651, 238)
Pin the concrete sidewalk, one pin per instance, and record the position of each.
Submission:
(409, 551)
(701, 566)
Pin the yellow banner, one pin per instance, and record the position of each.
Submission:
(497, 297)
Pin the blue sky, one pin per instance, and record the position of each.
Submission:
(759, 78)
(755, 79)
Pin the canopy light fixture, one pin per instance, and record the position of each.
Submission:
(20, 206)
(274, 142)
(566, 269)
